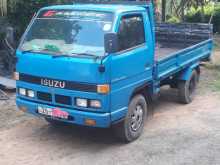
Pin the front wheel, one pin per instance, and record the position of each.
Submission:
(187, 89)
(132, 127)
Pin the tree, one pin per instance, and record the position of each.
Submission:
(3, 8)
(20, 12)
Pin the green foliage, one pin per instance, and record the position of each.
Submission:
(217, 42)
(21, 11)
(173, 19)
(215, 68)
(198, 16)
(216, 18)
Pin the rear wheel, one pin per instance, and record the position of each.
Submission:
(187, 89)
(132, 126)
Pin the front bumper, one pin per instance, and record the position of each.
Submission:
(103, 120)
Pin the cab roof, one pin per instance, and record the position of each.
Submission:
(98, 7)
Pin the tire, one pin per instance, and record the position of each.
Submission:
(187, 89)
(174, 85)
(132, 126)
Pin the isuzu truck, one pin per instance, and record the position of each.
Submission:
(100, 65)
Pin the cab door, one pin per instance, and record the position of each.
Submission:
(132, 65)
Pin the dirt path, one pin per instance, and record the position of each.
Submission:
(175, 134)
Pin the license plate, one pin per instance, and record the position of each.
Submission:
(53, 112)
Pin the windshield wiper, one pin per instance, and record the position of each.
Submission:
(32, 50)
(43, 51)
(28, 51)
(60, 56)
(73, 54)
(85, 54)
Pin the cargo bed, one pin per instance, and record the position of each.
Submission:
(180, 45)
(164, 52)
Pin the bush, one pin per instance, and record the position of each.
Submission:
(216, 19)
(197, 16)
(173, 19)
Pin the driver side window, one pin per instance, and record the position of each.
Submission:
(131, 32)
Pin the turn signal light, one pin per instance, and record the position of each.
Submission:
(103, 89)
(22, 108)
(16, 76)
(90, 122)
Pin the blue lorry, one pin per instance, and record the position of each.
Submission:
(100, 65)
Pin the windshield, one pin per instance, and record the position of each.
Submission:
(68, 32)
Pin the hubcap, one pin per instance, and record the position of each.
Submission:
(137, 118)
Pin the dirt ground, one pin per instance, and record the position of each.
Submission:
(174, 134)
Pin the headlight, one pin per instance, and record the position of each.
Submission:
(22, 91)
(26, 92)
(30, 93)
(95, 104)
(82, 102)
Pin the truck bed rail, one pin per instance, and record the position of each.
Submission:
(182, 59)
(182, 34)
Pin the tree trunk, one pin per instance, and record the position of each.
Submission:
(203, 11)
(182, 13)
(3, 7)
(163, 10)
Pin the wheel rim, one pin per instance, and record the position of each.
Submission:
(137, 117)
(192, 85)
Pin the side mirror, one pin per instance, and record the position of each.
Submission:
(111, 43)
(10, 36)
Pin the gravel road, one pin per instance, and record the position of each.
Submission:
(175, 134)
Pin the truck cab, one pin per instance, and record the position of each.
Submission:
(92, 65)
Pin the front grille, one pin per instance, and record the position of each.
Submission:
(69, 85)
(44, 96)
(60, 99)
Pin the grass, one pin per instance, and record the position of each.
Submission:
(215, 85)
(215, 72)
(214, 67)
(217, 42)
(213, 76)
